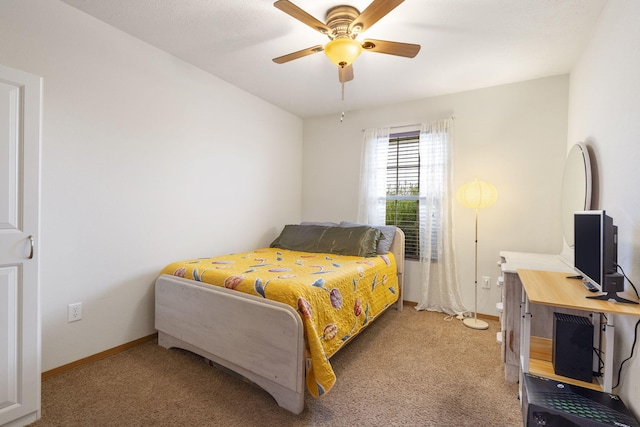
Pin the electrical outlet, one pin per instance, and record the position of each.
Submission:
(74, 312)
(486, 282)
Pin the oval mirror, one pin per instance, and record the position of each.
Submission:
(576, 188)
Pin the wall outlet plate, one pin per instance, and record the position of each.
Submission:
(74, 312)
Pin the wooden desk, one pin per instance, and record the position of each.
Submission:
(556, 290)
(511, 314)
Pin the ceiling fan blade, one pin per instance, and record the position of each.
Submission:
(407, 50)
(345, 74)
(302, 16)
(373, 13)
(299, 54)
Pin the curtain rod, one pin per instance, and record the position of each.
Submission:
(453, 117)
(405, 126)
(415, 124)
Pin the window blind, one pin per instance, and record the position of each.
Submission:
(403, 188)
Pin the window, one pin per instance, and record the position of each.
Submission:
(405, 180)
(404, 169)
(403, 188)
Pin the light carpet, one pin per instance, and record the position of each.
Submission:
(408, 368)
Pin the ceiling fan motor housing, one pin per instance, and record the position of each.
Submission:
(339, 18)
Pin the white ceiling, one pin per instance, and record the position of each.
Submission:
(466, 44)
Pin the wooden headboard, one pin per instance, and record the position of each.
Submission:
(397, 249)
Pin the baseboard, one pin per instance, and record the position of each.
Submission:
(488, 317)
(98, 356)
(480, 315)
(127, 346)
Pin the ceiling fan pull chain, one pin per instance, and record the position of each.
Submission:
(342, 115)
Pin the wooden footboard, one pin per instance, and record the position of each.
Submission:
(259, 339)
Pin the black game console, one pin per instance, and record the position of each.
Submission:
(572, 351)
(552, 403)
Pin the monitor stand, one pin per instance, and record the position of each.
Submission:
(612, 295)
(613, 283)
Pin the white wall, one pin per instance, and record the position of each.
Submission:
(145, 160)
(604, 111)
(513, 136)
(142, 164)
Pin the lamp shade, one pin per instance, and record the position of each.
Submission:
(342, 51)
(477, 194)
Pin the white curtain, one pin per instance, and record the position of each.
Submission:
(439, 282)
(373, 177)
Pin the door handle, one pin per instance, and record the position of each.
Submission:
(31, 247)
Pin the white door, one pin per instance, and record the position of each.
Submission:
(20, 117)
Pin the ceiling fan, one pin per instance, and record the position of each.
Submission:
(343, 25)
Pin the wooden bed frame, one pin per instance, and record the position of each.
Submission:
(261, 340)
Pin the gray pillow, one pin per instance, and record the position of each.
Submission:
(388, 233)
(354, 241)
(328, 224)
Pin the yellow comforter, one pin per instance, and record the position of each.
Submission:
(336, 295)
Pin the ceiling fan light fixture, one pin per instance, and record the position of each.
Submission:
(342, 51)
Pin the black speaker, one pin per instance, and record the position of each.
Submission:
(573, 346)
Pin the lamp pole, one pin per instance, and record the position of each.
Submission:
(474, 323)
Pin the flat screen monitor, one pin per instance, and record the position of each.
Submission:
(596, 253)
(595, 243)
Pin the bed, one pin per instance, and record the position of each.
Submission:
(223, 308)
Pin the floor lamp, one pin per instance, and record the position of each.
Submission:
(476, 195)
